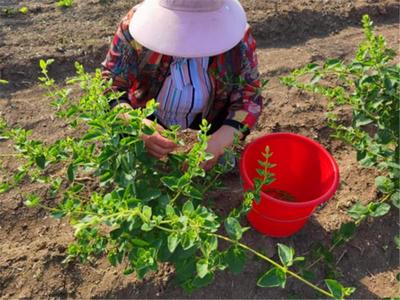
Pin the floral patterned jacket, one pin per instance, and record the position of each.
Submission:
(140, 73)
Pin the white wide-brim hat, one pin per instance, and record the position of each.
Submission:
(189, 28)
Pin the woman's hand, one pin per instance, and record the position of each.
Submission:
(221, 139)
(157, 145)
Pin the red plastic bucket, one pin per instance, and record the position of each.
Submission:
(306, 176)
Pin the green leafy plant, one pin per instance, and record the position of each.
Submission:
(370, 86)
(65, 3)
(12, 11)
(129, 206)
(24, 10)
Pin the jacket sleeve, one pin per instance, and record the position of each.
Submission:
(121, 62)
(246, 100)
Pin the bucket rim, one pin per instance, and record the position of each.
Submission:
(323, 198)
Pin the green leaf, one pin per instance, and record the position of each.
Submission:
(148, 130)
(105, 177)
(170, 182)
(211, 244)
(286, 254)
(235, 258)
(262, 164)
(233, 228)
(23, 10)
(71, 172)
(299, 259)
(202, 282)
(335, 288)
(384, 184)
(257, 198)
(115, 258)
(188, 208)
(357, 211)
(378, 209)
(188, 239)
(397, 241)
(260, 172)
(395, 198)
(195, 193)
(312, 67)
(384, 136)
(139, 242)
(92, 135)
(147, 212)
(40, 161)
(332, 63)
(42, 64)
(347, 230)
(169, 210)
(180, 256)
(183, 182)
(58, 214)
(129, 271)
(365, 159)
(147, 227)
(272, 278)
(76, 188)
(148, 194)
(317, 77)
(4, 187)
(361, 120)
(202, 267)
(3, 81)
(32, 201)
(173, 242)
(348, 291)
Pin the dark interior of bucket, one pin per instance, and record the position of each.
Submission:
(303, 171)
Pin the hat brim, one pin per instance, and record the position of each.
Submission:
(188, 34)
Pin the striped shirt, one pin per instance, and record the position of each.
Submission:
(185, 92)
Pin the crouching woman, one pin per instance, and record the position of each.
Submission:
(197, 59)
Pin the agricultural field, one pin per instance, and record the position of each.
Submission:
(290, 34)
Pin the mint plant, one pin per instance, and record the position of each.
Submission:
(370, 86)
(129, 206)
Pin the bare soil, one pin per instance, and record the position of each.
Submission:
(289, 34)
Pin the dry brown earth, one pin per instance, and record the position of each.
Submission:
(289, 34)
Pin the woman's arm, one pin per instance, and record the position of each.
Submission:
(245, 102)
(121, 62)
(220, 140)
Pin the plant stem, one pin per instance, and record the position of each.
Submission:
(275, 264)
(212, 182)
(164, 228)
(321, 257)
(176, 196)
(47, 207)
(266, 258)
(9, 155)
